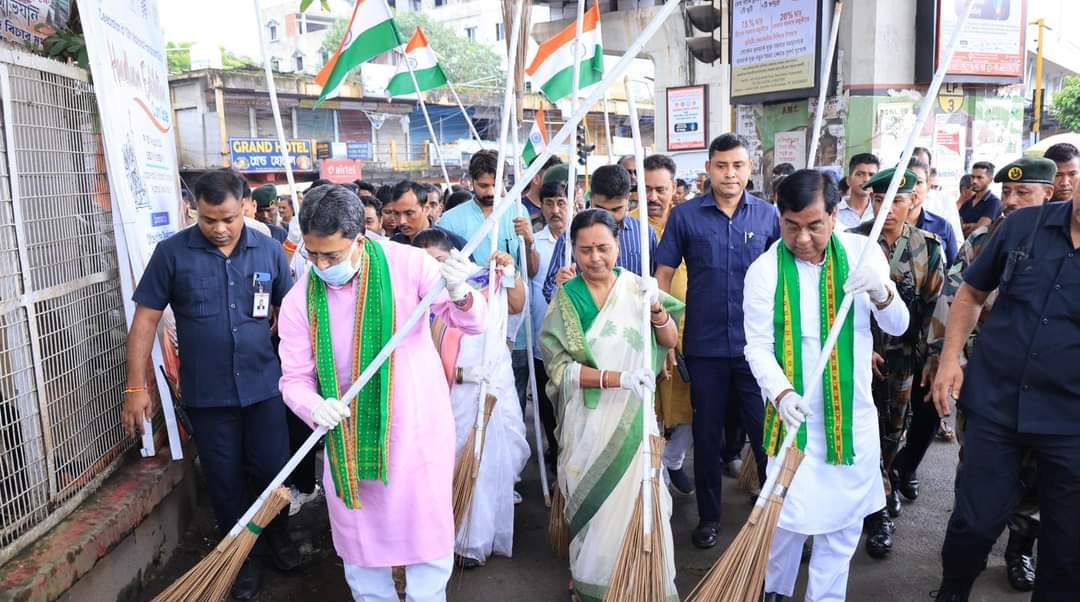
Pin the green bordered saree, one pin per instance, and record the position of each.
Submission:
(838, 388)
(359, 447)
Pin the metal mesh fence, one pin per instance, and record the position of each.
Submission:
(62, 327)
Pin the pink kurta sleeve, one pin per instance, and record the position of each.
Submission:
(297, 384)
(471, 319)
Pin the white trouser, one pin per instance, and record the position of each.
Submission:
(682, 435)
(829, 563)
(424, 582)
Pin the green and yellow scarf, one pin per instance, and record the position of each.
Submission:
(838, 388)
(358, 447)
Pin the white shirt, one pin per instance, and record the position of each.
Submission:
(849, 218)
(544, 244)
(823, 497)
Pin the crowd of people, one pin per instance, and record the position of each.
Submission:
(281, 303)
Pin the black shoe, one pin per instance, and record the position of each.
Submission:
(283, 554)
(681, 481)
(892, 504)
(1019, 566)
(705, 535)
(772, 597)
(879, 535)
(951, 593)
(248, 581)
(468, 563)
(906, 484)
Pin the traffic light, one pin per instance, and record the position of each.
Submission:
(708, 19)
(583, 149)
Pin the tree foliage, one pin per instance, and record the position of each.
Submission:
(178, 55)
(1066, 105)
(463, 60)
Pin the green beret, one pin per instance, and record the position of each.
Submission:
(1028, 169)
(264, 195)
(880, 181)
(556, 173)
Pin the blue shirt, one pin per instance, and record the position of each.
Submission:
(277, 232)
(467, 218)
(717, 250)
(1023, 370)
(989, 207)
(940, 227)
(629, 253)
(226, 357)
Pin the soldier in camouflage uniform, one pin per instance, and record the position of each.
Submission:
(916, 263)
(1025, 183)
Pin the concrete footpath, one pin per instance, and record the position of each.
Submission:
(535, 574)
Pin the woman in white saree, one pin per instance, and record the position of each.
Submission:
(594, 354)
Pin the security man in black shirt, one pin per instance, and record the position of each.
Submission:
(1021, 392)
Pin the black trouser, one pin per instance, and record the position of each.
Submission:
(988, 489)
(734, 435)
(716, 383)
(920, 433)
(303, 478)
(241, 450)
(547, 409)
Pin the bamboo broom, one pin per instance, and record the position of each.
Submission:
(639, 572)
(558, 528)
(421, 309)
(744, 577)
(467, 468)
(748, 475)
(211, 579)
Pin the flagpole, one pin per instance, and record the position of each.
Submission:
(468, 120)
(427, 119)
(819, 114)
(607, 132)
(571, 165)
(276, 108)
(527, 317)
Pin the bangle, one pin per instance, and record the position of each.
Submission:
(888, 299)
(602, 374)
(134, 390)
(662, 324)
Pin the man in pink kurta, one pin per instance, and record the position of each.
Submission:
(408, 521)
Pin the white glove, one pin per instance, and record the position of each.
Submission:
(330, 412)
(869, 281)
(651, 289)
(641, 381)
(455, 271)
(793, 410)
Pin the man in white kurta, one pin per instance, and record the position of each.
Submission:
(826, 501)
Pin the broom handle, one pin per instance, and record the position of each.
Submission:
(422, 307)
(875, 232)
(646, 319)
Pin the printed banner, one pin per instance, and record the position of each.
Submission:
(773, 46)
(264, 154)
(687, 118)
(22, 18)
(126, 49)
(992, 43)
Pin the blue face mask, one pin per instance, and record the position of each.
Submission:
(339, 273)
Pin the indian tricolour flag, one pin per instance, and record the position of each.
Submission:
(371, 32)
(429, 75)
(538, 139)
(552, 70)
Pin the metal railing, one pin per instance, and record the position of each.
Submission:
(62, 328)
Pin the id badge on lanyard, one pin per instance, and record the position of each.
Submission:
(261, 306)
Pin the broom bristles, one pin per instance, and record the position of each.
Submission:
(211, 579)
(467, 467)
(739, 574)
(639, 572)
(558, 529)
(748, 475)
